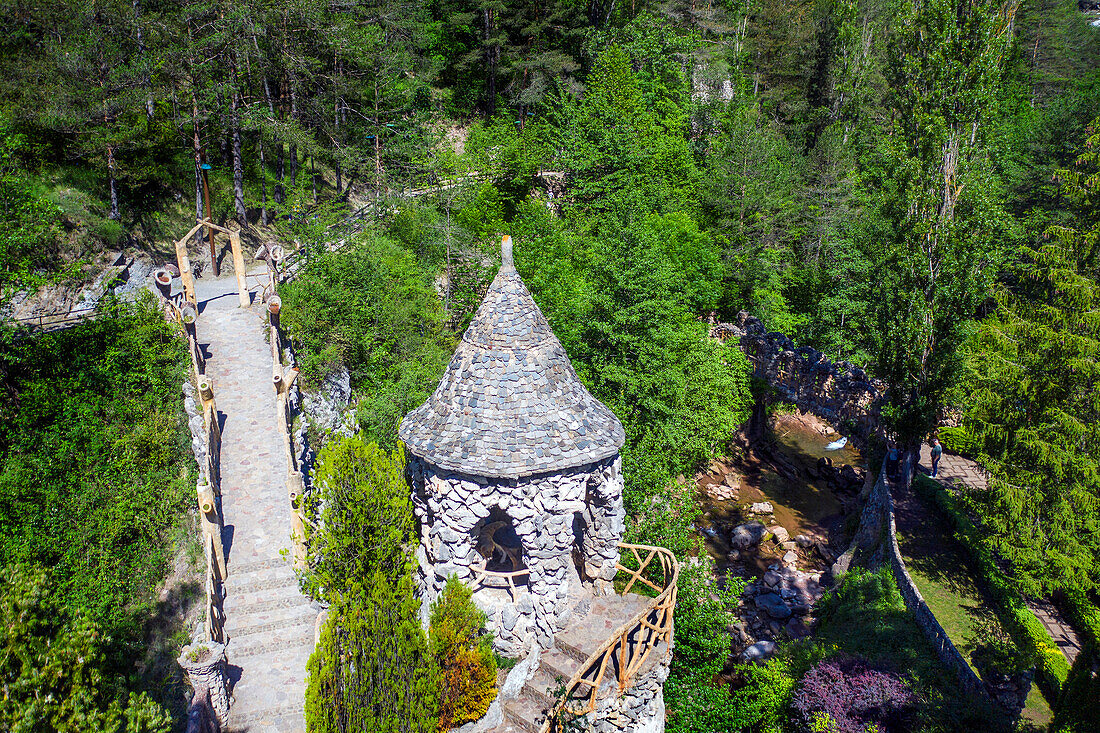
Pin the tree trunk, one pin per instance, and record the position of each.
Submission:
(113, 183)
(278, 192)
(238, 165)
(263, 183)
(492, 55)
(196, 143)
(293, 148)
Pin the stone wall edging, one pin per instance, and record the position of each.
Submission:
(945, 649)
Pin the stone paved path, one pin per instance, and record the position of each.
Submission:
(955, 469)
(270, 624)
(958, 470)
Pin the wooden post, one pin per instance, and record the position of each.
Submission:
(185, 267)
(238, 268)
(295, 486)
(211, 526)
(209, 232)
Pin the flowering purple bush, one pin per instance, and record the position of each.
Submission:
(855, 696)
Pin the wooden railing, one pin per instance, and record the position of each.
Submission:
(627, 648)
(484, 578)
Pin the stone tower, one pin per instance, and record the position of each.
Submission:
(515, 473)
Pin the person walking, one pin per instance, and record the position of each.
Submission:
(937, 453)
(891, 458)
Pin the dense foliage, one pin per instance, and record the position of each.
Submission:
(847, 695)
(372, 669)
(54, 668)
(463, 650)
(95, 465)
(896, 182)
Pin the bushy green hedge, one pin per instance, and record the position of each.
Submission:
(959, 441)
(1026, 630)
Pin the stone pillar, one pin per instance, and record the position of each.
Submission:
(603, 516)
(204, 663)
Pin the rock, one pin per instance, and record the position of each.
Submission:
(772, 578)
(797, 629)
(762, 507)
(788, 545)
(773, 605)
(780, 533)
(803, 541)
(733, 555)
(790, 557)
(759, 652)
(747, 535)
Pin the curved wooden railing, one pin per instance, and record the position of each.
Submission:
(484, 578)
(629, 646)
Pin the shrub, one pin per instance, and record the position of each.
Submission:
(959, 441)
(854, 695)
(465, 655)
(366, 521)
(53, 668)
(371, 670)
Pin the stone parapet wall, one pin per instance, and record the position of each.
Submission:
(946, 650)
(839, 392)
(452, 507)
(638, 709)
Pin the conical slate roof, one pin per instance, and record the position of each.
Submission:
(510, 404)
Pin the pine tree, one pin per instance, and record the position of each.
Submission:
(371, 670)
(1036, 399)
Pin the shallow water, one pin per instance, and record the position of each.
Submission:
(802, 505)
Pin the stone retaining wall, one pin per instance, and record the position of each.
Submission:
(946, 650)
(638, 709)
(839, 392)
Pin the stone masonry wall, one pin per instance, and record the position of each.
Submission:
(639, 709)
(838, 392)
(452, 506)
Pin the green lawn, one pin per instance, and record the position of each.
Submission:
(943, 573)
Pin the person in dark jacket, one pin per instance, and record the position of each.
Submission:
(937, 453)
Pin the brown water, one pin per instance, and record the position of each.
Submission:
(802, 505)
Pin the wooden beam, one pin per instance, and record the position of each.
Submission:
(238, 267)
(184, 264)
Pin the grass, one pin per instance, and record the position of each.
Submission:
(947, 579)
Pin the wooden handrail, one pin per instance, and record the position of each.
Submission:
(630, 645)
(509, 578)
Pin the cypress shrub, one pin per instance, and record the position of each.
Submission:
(371, 670)
(464, 653)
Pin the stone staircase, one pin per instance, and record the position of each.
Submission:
(572, 648)
(269, 623)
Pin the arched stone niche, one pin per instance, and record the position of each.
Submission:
(453, 509)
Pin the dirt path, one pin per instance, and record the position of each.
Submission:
(270, 624)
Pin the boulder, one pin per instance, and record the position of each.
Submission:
(773, 605)
(747, 535)
(762, 507)
(802, 540)
(780, 533)
(759, 652)
(790, 557)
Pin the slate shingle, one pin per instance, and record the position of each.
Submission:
(510, 404)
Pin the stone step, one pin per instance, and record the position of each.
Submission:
(557, 663)
(544, 685)
(252, 566)
(258, 615)
(249, 606)
(255, 647)
(581, 638)
(284, 719)
(238, 586)
(525, 713)
(299, 627)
